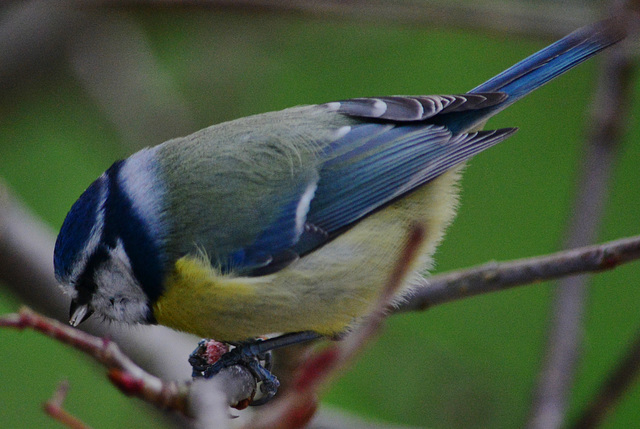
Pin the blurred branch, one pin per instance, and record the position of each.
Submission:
(63, 25)
(110, 57)
(606, 126)
(328, 418)
(522, 18)
(496, 276)
(21, 47)
(54, 407)
(26, 264)
(623, 376)
(113, 61)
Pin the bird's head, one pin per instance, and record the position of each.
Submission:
(108, 254)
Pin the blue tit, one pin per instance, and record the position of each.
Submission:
(287, 221)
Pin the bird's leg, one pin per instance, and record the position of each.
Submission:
(249, 354)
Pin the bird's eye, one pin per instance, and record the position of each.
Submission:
(112, 301)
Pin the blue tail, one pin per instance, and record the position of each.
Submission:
(549, 63)
(545, 65)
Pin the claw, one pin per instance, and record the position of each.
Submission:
(270, 383)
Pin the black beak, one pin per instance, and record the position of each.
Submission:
(78, 313)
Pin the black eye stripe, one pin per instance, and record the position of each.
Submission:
(86, 284)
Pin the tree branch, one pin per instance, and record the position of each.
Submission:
(606, 127)
(612, 390)
(125, 374)
(496, 276)
(504, 17)
(122, 371)
(54, 407)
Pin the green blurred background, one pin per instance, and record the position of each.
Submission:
(469, 364)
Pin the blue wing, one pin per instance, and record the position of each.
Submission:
(367, 168)
(377, 163)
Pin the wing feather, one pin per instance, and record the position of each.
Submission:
(393, 163)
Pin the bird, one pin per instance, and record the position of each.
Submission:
(287, 221)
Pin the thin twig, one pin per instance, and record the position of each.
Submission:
(607, 123)
(497, 276)
(129, 377)
(298, 405)
(124, 373)
(54, 408)
(127, 83)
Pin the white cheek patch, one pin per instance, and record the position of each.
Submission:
(118, 295)
(69, 289)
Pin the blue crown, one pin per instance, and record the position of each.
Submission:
(76, 229)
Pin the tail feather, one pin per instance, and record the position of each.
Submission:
(543, 66)
(549, 63)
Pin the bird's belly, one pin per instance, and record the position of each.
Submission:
(326, 291)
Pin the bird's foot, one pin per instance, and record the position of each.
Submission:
(254, 355)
